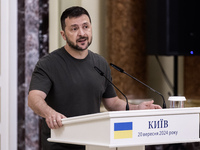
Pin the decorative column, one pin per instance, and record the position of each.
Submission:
(126, 44)
(32, 44)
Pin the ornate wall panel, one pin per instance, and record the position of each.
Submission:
(192, 77)
(126, 44)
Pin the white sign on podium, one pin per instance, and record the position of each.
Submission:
(128, 129)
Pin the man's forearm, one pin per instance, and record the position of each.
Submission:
(37, 103)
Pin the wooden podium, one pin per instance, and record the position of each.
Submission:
(128, 130)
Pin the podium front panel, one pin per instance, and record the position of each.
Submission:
(130, 128)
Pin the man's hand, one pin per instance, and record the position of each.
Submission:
(53, 120)
(148, 105)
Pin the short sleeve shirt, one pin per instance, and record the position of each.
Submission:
(73, 86)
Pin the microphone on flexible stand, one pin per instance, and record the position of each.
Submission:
(102, 74)
(122, 71)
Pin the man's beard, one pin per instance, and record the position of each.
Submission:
(75, 46)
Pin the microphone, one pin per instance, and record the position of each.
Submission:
(122, 71)
(102, 74)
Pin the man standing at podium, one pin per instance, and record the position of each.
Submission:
(65, 83)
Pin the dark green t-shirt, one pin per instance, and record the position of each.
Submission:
(73, 86)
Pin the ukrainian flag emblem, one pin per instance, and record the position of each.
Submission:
(123, 130)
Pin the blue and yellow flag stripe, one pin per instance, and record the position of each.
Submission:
(123, 130)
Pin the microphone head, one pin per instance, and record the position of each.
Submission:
(117, 68)
(99, 71)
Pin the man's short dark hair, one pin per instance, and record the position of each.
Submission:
(71, 12)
